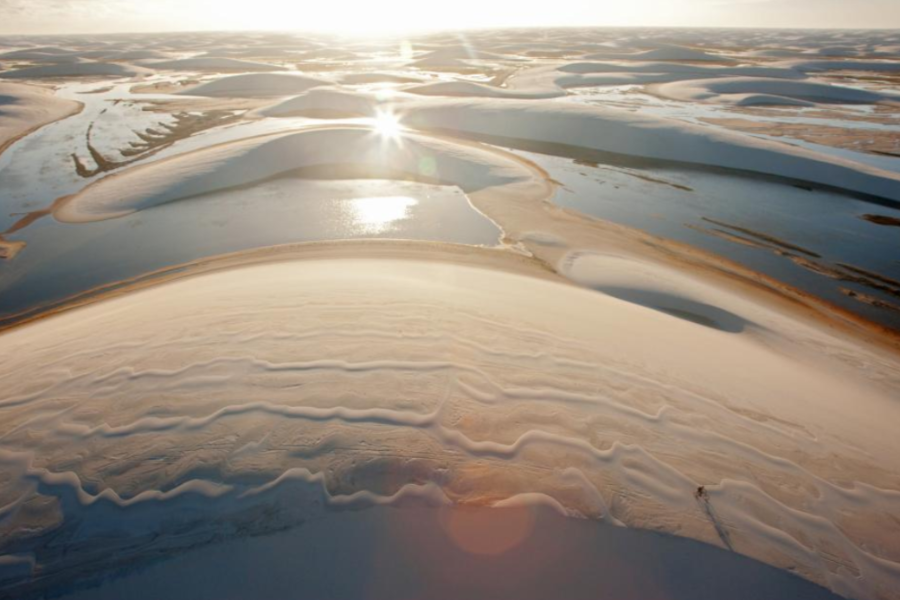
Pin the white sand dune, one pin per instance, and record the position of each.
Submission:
(622, 132)
(43, 57)
(129, 55)
(211, 64)
(768, 100)
(555, 79)
(78, 69)
(48, 54)
(668, 53)
(255, 85)
(461, 53)
(476, 90)
(774, 53)
(836, 51)
(607, 130)
(449, 64)
(813, 66)
(786, 71)
(24, 108)
(351, 152)
(328, 54)
(564, 81)
(367, 78)
(353, 382)
(746, 90)
(581, 366)
(332, 101)
(263, 51)
(25, 53)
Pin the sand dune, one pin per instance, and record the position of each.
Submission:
(448, 64)
(669, 53)
(44, 57)
(328, 152)
(328, 54)
(843, 65)
(28, 53)
(259, 51)
(367, 78)
(330, 102)
(774, 53)
(113, 54)
(158, 397)
(607, 130)
(557, 78)
(778, 72)
(746, 90)
(476, 90)
(211, 64)
(255, 85)
(77, 69)
(500, 385)
(460, 53)
(24, 108)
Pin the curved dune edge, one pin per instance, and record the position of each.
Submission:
(76, 69)
(738, 90)
(32, 108)
(212, 64)
(485, 377)
(254, 85)
(601, 129)
(318, 152)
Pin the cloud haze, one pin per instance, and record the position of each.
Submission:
(70, 16)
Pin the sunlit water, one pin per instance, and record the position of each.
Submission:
(824, 222)
(61, 260)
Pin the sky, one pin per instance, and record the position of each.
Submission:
(388, 16)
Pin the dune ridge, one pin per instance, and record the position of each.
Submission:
(661, 438)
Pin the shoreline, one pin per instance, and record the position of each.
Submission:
(682, 258)
(79, 106)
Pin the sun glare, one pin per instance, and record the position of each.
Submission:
(387, 125)
(375, 214)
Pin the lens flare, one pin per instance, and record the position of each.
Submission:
(387, 125)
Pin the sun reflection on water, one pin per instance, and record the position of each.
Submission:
(375, 214)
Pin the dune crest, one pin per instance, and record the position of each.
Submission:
(635, 428)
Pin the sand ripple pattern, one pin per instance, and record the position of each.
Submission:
(242, 411)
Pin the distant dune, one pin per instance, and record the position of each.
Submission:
(255, 85)
(75, 69)
(746, 90)
(211, 64)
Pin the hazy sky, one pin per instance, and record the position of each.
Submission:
(375, 16)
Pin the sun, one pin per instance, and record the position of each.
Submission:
(387, 124)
